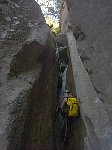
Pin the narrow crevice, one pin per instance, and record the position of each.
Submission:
(75, 140)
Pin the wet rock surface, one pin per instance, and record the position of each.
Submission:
(26, 79)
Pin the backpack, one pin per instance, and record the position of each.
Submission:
(72, 107)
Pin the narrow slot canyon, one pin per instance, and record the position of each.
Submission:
(40, 61)
(74, 138)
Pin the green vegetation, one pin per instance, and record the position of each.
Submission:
(53, 25)
(50, 9)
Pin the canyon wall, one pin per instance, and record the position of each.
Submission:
(91, 25)
(26, 77)
(29, 78)
(87, 25)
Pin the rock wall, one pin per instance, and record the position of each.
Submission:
(74, 136)
(91, 25)
(93, 112)
(89, 22)
(26, 77)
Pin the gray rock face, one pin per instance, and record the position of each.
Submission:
(26, 63)
(91, 25)
(96, 119)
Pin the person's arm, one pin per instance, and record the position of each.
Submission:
(63, 103)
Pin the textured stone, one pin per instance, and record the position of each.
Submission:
(92, 26)
(26, 64)
(95, 116)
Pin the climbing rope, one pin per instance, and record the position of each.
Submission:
(65, 119)
(65, 135)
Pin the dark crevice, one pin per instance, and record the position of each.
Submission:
(72, 137)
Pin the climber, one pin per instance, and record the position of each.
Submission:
(66, 95)
(69, 105)
(69, 111)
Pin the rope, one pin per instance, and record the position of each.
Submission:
(65, 132)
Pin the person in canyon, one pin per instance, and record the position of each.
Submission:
(69, 105)
(66, 95)
(69, 110)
